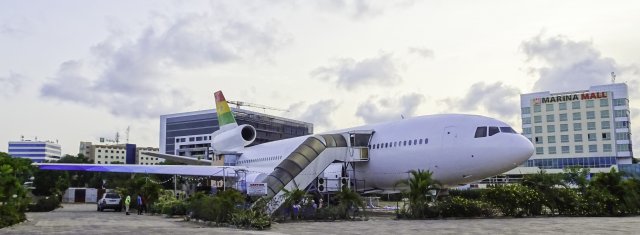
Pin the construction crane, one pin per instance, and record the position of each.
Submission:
(247, 104)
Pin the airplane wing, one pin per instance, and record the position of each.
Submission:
(228, 171)
(181, 159)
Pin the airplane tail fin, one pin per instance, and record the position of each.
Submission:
(225, 116)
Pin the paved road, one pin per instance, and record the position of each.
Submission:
(83, 219)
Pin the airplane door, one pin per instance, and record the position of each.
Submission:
(449, 137)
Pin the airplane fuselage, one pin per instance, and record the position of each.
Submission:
(445, 144)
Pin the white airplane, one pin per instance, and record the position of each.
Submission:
(457, 148)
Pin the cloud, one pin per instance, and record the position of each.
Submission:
(350, 74)
(11, 84)
(361, 9)
(387, 109)
(318, 113)
(133, 77)
(570, 65)
(495, 98)
(424, 52)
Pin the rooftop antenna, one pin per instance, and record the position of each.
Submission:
(117, 137)
(613, 77)
(127, 133)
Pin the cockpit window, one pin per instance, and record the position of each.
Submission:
(481, 132)
(493, 130)
(507, 129)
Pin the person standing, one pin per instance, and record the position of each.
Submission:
(127, 201)
(139, 201)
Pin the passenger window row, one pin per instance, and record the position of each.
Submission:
(260, 159)
(401, 143)
(492, 130)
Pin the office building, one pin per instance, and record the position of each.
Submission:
(37, 151)
(189, 134)
(119, 154)
(585, 128)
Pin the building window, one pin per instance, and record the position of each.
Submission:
(539, 150)
(526, 130)
(577, 116)
(550, 118)
(564, 138)
(526, 120)
(577, 138)
(99, 150)
(577, 126)
(551, 139)
(562, 106)
(538, 140)
(551, 128)
(591, 115)
(604, 102)
(98, 162)
(575, 105)
(537, 119)
(623, 147)
(552, 150)
(579, 149)
(606, 148)
(622, 124)
(604, 114)
(526, 110)
(621, 113)
(591, 125)
(537, 108)
(605, 125)
(622, 136)
(549, 107)
(620, 102)
(590, 103)
(564, 127)
(593, 148)
(563, 117)
(191, 139)
(591, 136)
(565, 149)
(98, 156)
(538, 129)
(606, 136)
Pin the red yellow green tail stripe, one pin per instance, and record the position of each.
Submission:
(225, 116)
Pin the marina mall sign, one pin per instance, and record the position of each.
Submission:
(571, 97)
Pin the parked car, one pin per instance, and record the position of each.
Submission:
(110, 200)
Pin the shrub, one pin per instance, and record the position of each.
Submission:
(45, 205)
(462, 207)
(174, 208)
(515, 200)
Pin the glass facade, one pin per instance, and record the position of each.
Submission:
(37, 151)
(560, 163)
(201, 125)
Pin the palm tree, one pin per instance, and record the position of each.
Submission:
(420, 185)
(348, 199)
(292, 197)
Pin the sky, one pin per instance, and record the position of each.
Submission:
(74, 71)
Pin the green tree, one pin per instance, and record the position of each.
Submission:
(78, 178)
(349, 200)
(576, 175)
(13, 196)
(420, 185)
(291, 197)
(548, 186)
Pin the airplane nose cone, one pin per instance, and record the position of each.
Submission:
(522, 149)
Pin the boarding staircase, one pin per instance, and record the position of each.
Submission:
(303, 165)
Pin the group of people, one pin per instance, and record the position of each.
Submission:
(140, 203)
